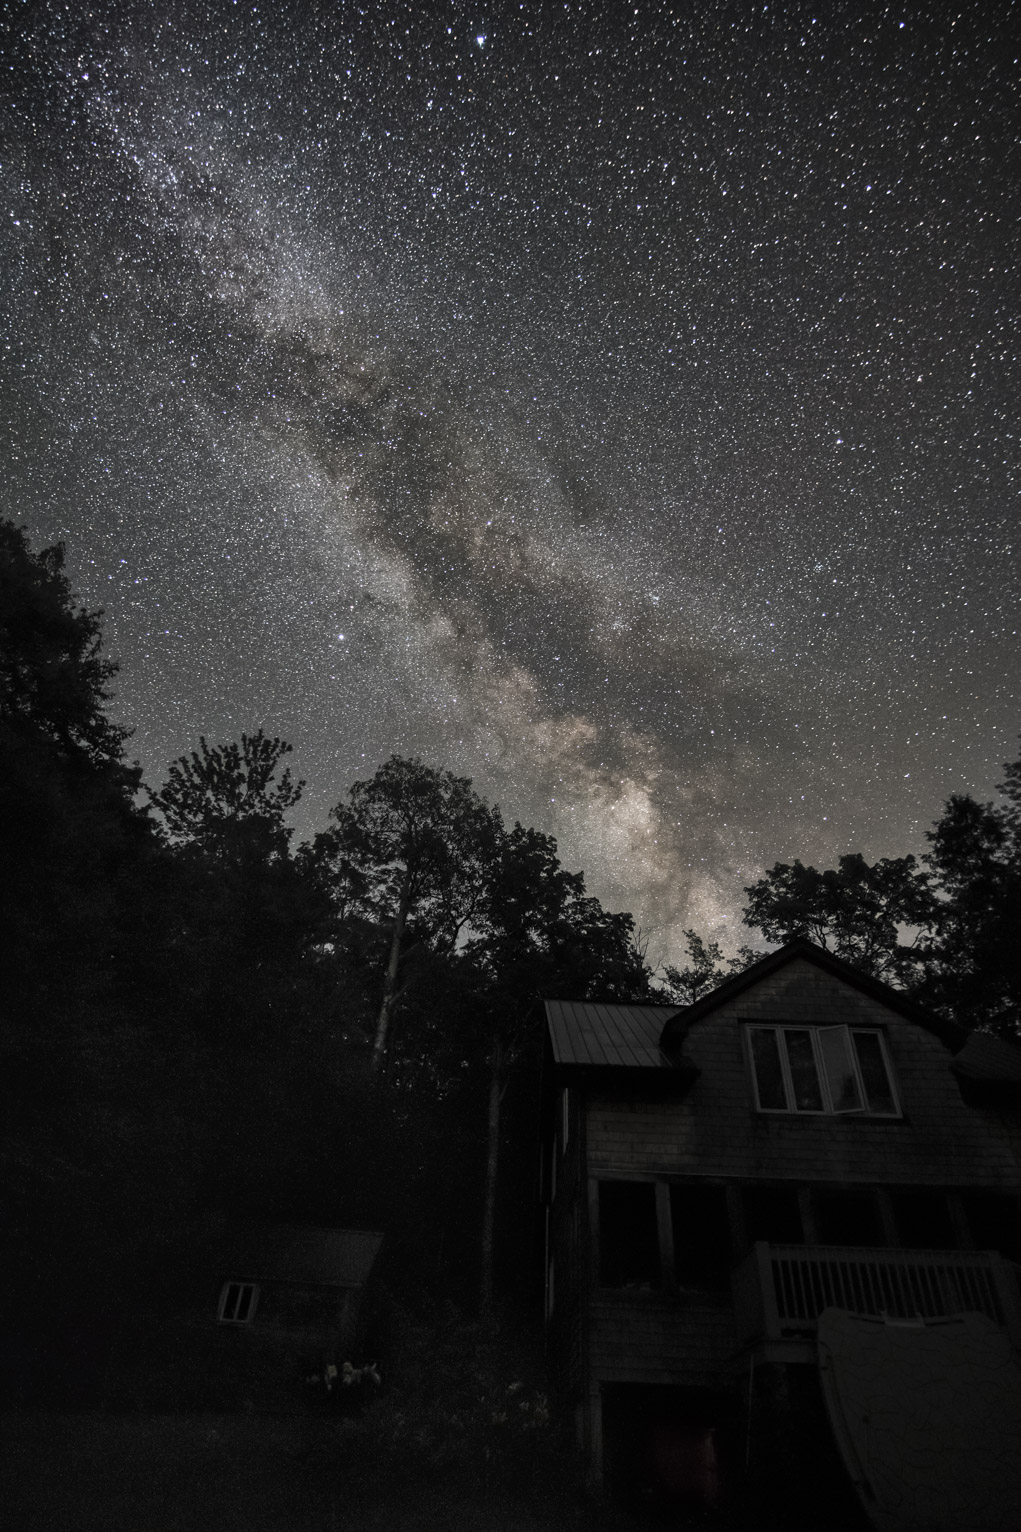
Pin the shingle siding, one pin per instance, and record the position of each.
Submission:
(659, 1342)
(716, 1131)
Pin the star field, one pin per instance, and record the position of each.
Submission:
(616, 404)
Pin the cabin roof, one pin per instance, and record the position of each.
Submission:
(616, 1034)
(297, 1253)
(676, 1028)
(608, 1034)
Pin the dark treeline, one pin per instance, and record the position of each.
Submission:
(946, 928)
(204, 1017)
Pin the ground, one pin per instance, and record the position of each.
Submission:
(100, 1472)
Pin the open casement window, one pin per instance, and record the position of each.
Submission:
(839, 1070)
(238, 1302)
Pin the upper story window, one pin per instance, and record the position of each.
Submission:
(822, 1069)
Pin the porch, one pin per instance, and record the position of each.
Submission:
(779, 1291)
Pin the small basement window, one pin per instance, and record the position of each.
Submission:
(237, 1303)
(628, 1235)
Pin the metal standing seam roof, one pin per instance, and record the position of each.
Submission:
(607, 1034)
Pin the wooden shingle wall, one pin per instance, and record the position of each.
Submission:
(716, 1131)
(650, 1341)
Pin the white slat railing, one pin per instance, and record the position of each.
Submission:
(780, 1290)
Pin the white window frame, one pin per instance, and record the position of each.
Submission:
(225, 1318)
(827, 1109)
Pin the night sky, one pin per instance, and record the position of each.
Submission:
(615, 404)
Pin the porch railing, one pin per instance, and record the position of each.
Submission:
(780, 1290)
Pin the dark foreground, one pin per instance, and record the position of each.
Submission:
(98, 1472)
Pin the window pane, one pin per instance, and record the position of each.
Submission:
(878, 1090)
(628, 1234)
(801, 1058)
(773, 1213)
(768, 1074)
(923, 1220)
(848, 1218)
(835, 1047)
(995, 1222)
(230, 1300)
(701, 1235)
(244, 1304)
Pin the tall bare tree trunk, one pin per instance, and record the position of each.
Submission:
(492, 1157)
(389, 1000)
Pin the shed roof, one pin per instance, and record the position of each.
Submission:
(608, 1034)
(297, 1253)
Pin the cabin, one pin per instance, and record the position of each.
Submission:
(253, 1317)
(770, 1217)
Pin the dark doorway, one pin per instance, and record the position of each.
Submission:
(665, 1448)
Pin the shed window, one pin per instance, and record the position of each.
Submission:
(628, 1235)
(839, 1070)
(238, 1301)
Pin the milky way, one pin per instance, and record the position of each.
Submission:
(614, 404)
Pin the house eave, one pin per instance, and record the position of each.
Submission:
(676, 1028)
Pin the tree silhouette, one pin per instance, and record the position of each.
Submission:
(54, 681)
(974, 966)
(856, 910)
(410, 851)
(538, 934)
(228, 800)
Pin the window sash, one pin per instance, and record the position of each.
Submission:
(821, 1071)
(879, 1064)
(840, 1069)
